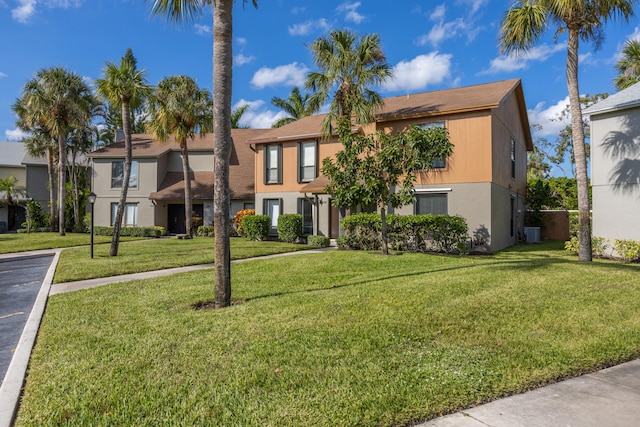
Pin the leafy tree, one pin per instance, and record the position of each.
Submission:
(296, 106)
(628, 66)
(123, 84)
(539, 196)
(179, 107)
(348, 66)
(186, 10)
(522, 27)
(380, 169)
(236, 116)
(58, 101)
(35, 217)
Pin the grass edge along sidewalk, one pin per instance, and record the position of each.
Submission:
(337, 338)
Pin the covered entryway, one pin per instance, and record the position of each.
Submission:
(16, 216)
(176, 217)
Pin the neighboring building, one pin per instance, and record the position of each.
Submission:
(484, 180)
(12, 216)
(615, 165)
(156, 187)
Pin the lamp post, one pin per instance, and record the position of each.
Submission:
(92, 199)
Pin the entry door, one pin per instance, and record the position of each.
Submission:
(334, 221)
(176, 218)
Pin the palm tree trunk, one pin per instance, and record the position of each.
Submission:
(74, 189)
(222, 80)
(188, 202)
(126, 125)
(52, 188)
(579, 150)
(62, 180)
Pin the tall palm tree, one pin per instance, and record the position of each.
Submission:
(236, 116)
(296, 106)
(185, 10)
(179, 107)
(123, 84)
(524, 24)
(348, 66)
(40, 143)
(629, 65)
(58, 100)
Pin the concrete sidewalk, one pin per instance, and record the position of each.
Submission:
(610, 397)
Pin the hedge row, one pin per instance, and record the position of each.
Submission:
(131, 231)
(628, 250)
(414, 233)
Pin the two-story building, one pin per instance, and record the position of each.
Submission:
(156, 187)
(484, 180)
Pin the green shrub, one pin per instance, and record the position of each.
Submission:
(629, 250)
(599, 245)
(289, 227)
(256, 227)
(415, 233)
(35, 217)
(320, 241)
(237, 219)
(205, 231)
(131, 231)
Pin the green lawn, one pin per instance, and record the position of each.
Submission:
(338, 338)
(20, 242)
(156, 254)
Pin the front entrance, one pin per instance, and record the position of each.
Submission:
(334, 221)
(17, 215)
(176, 218)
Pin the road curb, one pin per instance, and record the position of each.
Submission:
(11, 387)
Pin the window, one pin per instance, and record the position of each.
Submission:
(273, 164)
(117, 174)
(306, 161)
(130, 216)
(272, 207)
(248, 205)
(437, 163)
(513, 158)
(435, 203)
(305, 208)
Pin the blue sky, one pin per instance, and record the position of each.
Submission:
(430, 44)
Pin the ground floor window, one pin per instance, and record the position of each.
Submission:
(305, 208)
(432, 203)
(130, 214)
(273, 208)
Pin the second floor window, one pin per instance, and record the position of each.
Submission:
(273, 164)
(307, 161)
(117, 174)
(437, 163)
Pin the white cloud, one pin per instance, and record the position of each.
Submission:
(27, 8)
(3, 75)
(308, 27)
(547, 117)
(420, 72)
(25, 11)
(242, 41)
(443, 30)
(438, 13)
(242, 59)
(474, 5)
(297, 10)
(202, 30)
(15, 134)
(293, 74)
(256, 116)
(513, 62)
(351, 13)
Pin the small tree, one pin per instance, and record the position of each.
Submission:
(380, 169)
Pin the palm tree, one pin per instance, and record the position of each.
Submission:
(185, 10)
(236, 116)
(629, 65)
(296, 106)
(179, 107)
(40, 143)
(347, 67)
(10, 192)
(524, 24)
(58, 101)
(124, 85)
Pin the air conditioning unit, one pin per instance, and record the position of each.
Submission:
(532, 234)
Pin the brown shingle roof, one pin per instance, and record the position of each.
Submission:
(241, 164)
(440, 102)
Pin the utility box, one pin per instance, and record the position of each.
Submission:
(532, 234)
